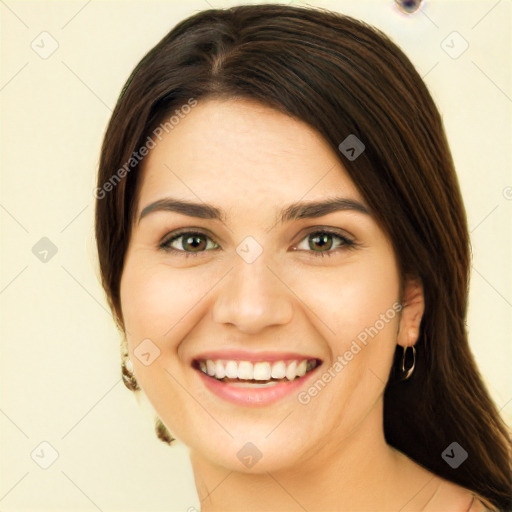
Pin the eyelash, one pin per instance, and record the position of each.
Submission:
(346, 243)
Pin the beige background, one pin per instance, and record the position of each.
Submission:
(59, 369)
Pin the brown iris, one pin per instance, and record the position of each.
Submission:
(196, 243)
(324, 241)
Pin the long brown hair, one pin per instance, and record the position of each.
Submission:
(342, 77)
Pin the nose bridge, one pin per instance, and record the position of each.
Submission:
(252, 297)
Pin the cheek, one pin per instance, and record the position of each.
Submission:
(360, 304)
(156, 299)
(350, 299)
(161, 304)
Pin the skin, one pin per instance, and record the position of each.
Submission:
(328, 454)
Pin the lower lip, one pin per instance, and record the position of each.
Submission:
(253, 397)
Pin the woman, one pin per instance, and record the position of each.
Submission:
(284, 246)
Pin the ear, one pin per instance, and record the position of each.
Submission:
(413, 306)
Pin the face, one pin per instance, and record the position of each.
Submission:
(254, 299)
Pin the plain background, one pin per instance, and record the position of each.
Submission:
(60, 373)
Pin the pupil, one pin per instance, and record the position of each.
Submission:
(193, 242)
(323, 241)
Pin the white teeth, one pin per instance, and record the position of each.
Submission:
(231, 370)
(210, 367)
(245, 370)
(290, 370)
(301, 369)
(279, 370)
(260, 371)
(220, 373)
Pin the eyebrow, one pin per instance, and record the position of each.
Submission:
(291, 212)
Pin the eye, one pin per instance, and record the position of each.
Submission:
(320, 243)
(188, 243)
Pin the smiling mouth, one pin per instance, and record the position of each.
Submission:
(255, 374)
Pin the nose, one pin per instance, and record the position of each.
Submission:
(252, 297)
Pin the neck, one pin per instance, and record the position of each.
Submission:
(359, 472)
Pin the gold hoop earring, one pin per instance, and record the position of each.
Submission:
(406, 373)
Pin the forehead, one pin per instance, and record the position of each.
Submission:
(224, 151)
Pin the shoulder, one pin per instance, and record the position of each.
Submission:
(451, 497)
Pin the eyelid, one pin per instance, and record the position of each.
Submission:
(169, 236)
(326, 229)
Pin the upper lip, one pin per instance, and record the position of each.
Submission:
(242, 355)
